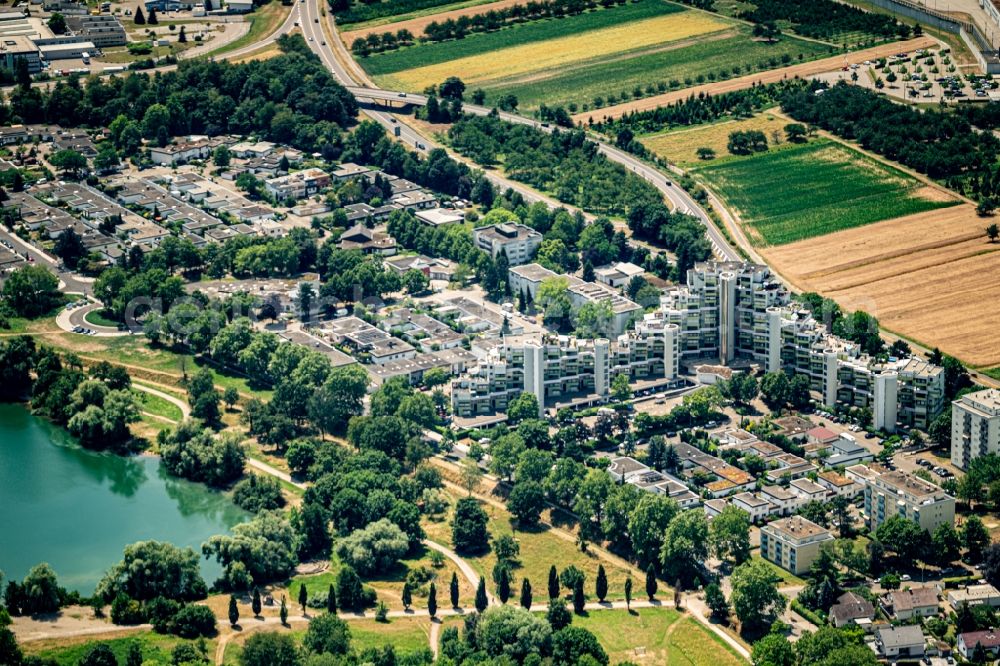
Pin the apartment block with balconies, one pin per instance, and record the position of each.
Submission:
(975, 426)
(793, 543)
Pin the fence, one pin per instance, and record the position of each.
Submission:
(977, 42)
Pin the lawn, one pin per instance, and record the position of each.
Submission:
(992, 372)
(573, 61)
(154, 404)
(800, 191)
(539, 550)
(403, 634)
(97, 318)
(156, 648)
(657, 635)
(786, 577)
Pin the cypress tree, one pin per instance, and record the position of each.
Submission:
(453, 590)
(283, 612)
(234, 611)
(407, 598)
(140, 18)
(578, 598)
(432, 601)
(553, 582)
(481, 600)
(303, 597)
(331, 600)
(503, 586)
(601, 584)
(628, 594)
(526, 594)
(255, 604)
(651, 584)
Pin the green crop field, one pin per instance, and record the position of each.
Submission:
(525, 33)
(801, 191)
(603, 54)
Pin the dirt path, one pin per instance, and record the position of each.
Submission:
(803, 70)
(417, 25)
(262, 466)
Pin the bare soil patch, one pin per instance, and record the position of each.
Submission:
(930, 277)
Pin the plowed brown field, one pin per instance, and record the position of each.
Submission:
(931, 277)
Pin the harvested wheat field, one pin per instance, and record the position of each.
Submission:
(533, 57)
(773, 76)
(681, 146)
(930, 277)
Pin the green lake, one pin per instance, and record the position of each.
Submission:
(77, 509)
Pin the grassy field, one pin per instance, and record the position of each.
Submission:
(403, 634)
(800, 191)
(787, 577)
(539, 550)
(680, 146)
(992, 372)
(154, 404)
(156, 648)
(657, 636)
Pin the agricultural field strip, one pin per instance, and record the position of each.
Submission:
(583, 28)
(925, 276)
(826, 187)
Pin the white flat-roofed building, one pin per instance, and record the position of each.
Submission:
(756, 507)
(439, 217)
(793, 543)
(838, 484)
(983, 594)
(784, 501)
(18, 47)
(66, 50)
(808, 491)
(975, 426)
(518, 241)
(618, 275)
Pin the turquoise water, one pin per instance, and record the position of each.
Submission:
(77, 509)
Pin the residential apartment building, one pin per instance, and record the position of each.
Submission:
(298, 185)
(518, 241)
(975, 426)
(793, 543)
(897, 493)
(557, 369)
(527, 278)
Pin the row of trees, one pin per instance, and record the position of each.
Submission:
(490, 21)
(825, 19)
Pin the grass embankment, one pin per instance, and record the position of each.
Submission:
(263, 21)
(799, 191)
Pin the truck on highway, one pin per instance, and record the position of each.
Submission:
(395, 130)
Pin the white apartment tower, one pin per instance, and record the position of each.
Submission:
(975, 426)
